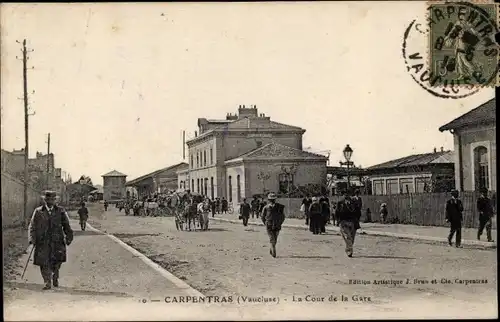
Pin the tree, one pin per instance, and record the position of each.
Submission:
(85, 179)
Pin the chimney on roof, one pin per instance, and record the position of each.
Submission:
(435, 150)
(195, 134)
(255, 106)
(442, 149)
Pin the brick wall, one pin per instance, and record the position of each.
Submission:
(13, 201)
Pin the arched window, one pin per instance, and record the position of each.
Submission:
(212, 187)
(238, 187)
(481, 169)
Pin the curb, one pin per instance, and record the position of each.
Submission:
(377, 233)
(166, 274)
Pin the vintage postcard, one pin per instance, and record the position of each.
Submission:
(249, 160)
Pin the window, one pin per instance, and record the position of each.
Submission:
(406, 185)
(198, 185)
(197, 160)
(285, 182)
(205, 187)
(392, 187)
(481, 170)
(378, 187)
(423, 184)
(192, 163)
(201, 185)
(238, 187)
(230, 189)
(212, 188)
(211, 157)
(205, 158)
(192, 185)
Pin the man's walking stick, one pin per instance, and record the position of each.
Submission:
(27, 262)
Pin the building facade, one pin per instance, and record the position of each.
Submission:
(474, 135)
(428, 172)
(41, 170)
(226, 158)
(114, 186)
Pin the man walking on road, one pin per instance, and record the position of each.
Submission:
(485, 214)
(273, 216)
(49, 233)
(245, 211)
(83, 212)
(347, 216)
(454, 209)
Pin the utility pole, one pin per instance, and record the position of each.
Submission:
(26, 127)
(48, 162)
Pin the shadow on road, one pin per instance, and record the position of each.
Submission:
(383, 257)
(63, 289)
(86, 233)
(300, 256)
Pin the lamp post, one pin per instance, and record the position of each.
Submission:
(347, 155)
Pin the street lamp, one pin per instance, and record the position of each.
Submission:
(347, 155)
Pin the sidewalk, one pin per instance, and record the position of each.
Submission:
(100, 271)
(427, 233)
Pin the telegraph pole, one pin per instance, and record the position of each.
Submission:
(48, 161)
(26, 134)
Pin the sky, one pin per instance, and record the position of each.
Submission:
(116, 84)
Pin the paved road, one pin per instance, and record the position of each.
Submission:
(232, 260)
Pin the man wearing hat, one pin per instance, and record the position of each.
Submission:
(50, 232)
(273, 216)
(454, 209)
(346, 213)
(485, 214)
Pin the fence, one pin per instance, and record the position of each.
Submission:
(423, 209)
(13, 201)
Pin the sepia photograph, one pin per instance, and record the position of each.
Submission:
(249, 161)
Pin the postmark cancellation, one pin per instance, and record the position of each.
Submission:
(462, 43)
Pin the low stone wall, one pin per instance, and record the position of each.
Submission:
(13, 201)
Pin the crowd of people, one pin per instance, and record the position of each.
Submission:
(50, 231)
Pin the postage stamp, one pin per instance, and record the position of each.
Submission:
(462, 46)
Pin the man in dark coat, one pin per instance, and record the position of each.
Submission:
(359, 206)
(273, 216)
(83, 213)
(307, 204)
(245, 211)
(50, 232)
(346, 215)
(315, 216)
(224, 205)
(454, 209)
(485, 215)
(255, 207)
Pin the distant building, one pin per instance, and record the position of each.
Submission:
(474, 135)
(428, 172)
(247, 154)
(41, 170)
(114, 185)
(159, 181)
